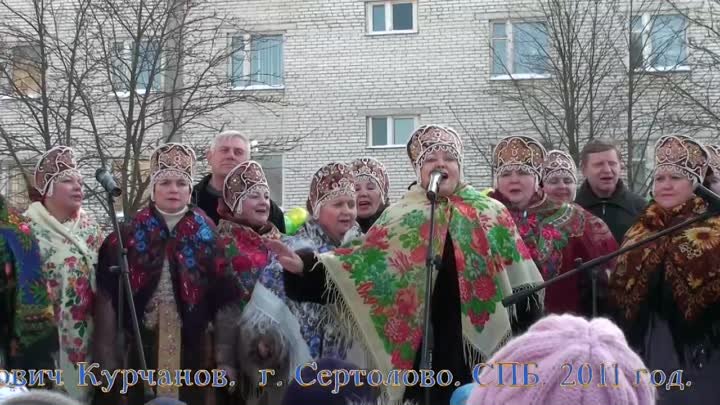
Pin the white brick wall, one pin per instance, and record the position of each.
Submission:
(336, 75)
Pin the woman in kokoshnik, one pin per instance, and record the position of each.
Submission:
(667, 293)
(69, 241)
(179, 281)
(333, 209)
(261, 332)
(377, 285)
(557, 233)
(559, 177)
(28, 336)
(372, 187)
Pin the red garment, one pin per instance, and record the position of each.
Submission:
(557, 235)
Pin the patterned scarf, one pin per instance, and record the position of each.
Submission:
(194, 257)
(25, 287)
(547, 228)
(689, 257)
(70, 252)
(263, 300)
(378, 284)
(322, 334)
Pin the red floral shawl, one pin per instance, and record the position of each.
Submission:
(557, 234)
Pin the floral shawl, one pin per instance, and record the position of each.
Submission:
(264, 305)
(199, 275)
(691, 259)
(70, 252)
(377, 284)
(557, 234)
(25, 289)
(321, 333)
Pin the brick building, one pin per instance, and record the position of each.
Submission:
(355, 77)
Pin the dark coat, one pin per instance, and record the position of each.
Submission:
(619, 212)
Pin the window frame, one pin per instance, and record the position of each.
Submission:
(390, 128)
(510, 57)
(389, 30)
(8, 71)
(126, 58)
(646, 20)
(247, 39)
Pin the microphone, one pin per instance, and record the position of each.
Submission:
(709, 196)
(103, 176)
(434, 184)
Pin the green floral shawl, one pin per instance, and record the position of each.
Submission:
(377, 285)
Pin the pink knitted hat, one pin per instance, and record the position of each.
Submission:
(554, 344)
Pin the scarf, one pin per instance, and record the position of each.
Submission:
(689, 257)
(377, 284)
(194, 259)
(322, 334)
(263, 301)
(547, 227)
(26, 288)
(69, 251)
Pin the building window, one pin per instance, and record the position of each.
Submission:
(273, 167)
(395, 17)
(658, 42)
(390, 131)
(147, 76)
(256, 61)
(15, 185)
(20, 71)
(519, 49)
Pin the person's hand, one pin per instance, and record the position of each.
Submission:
(287, 258)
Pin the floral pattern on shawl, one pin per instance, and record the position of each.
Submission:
(690, 258)
(557, 234)
(324, 337)
(24, 285)
(251, 260)
(70, 253)
(195, 262)
(264, 308)
(377, 284)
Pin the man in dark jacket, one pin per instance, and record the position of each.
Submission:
(228, 150)
(603, 193)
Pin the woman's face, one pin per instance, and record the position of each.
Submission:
(518, 186)
(172, 194)
(446, 163)
(671, 189)
(368, 197)
(67, 193)
(256, 208)
(560, 188)
(337, 216)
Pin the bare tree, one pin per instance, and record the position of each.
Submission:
(587, 69)
(115, 78)
(568, 60)
(700, 97)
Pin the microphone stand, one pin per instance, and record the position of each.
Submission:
(431, 264)
(124, 289)
(517, 297)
